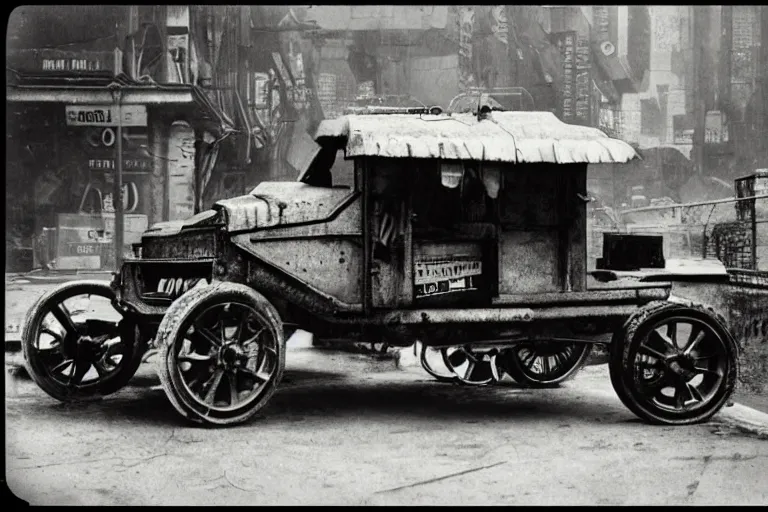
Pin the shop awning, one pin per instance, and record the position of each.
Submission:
(182, 95)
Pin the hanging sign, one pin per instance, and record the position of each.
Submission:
(97, 115)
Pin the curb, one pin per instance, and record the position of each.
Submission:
(745, 419)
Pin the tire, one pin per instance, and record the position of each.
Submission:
(573, 357)
(130, 347)
(639, 383)
(180, 327)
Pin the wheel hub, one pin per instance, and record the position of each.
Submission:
(682, 366)
(232, 355)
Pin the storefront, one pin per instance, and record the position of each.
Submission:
(63, 154)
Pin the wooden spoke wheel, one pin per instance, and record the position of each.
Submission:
(77, 346)
(471, 367)
(430, 358)
(674, 364)
(544, 363)
(221, 353)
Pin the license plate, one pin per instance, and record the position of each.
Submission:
(176, 287)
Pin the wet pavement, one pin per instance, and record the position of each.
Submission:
(346, 429)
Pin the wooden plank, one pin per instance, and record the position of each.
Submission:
(577, 236)
(616, 295)
(406, 285)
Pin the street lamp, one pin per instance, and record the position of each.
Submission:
(117, 193)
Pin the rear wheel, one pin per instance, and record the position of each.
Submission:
(430, 358)
(77, 346)
(673, 364)
(471, 366)
(221, 353)
(544, 363)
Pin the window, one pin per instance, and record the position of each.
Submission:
(330, 169)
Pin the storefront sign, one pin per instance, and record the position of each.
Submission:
(107, 115)
(583, 89)
(565, 42)
(129, 164)
(49, 60)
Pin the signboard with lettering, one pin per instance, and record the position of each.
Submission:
(436, 277)
(682, 128)
(53, 61)
(583, 83)
(106, 115)
(143, 165)
(565, 42)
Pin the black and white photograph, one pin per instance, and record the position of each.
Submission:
(386, 255)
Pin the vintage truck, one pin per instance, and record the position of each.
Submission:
(466, 232)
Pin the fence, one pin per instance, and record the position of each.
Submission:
(721, 229)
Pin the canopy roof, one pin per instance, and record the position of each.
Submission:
(514, 137)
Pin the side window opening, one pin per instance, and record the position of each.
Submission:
(330, 169)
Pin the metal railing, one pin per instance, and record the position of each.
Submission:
(706, 229)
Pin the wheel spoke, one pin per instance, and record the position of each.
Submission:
(81, 368)
(55, 335)
(656, 336)
(545, 367)
(682, 394)
(694, 392)
(259, 375)
(650, 351)
(672, 333)
(469, 370)
(59, 311)
(707, 371)
(233, 393)
(253, 338)
(694, 341)
(100, 369)
(532, 360)
(59, 367)
(194, 357)
(241, 328)
(208, 336)
(209, 396)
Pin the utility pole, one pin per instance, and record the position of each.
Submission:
(699, 32)
(726, 47)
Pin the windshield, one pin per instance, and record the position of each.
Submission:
(330, 169)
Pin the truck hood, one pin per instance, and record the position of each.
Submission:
(282, 204)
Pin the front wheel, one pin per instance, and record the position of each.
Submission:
(673, 364)
(77, 346)
(221, 353)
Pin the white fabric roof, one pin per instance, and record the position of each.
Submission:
(515, 137)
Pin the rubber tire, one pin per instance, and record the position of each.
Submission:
(513, 366)
(633, 329)
(113, 383)
(177, 316)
